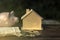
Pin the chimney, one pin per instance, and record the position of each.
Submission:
(27, 11)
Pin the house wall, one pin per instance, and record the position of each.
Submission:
(32, 22)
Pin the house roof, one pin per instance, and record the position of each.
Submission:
(28, 12)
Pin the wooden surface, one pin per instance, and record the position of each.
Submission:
(48, 34)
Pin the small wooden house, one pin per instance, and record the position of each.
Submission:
(31, 20)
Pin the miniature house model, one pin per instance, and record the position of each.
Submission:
(31, 20)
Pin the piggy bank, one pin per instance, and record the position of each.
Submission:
(7, 19)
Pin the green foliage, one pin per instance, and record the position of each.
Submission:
(9, 5)
(48, 9)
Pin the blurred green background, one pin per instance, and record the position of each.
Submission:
(48, 9)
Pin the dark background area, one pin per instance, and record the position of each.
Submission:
(48, 9)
